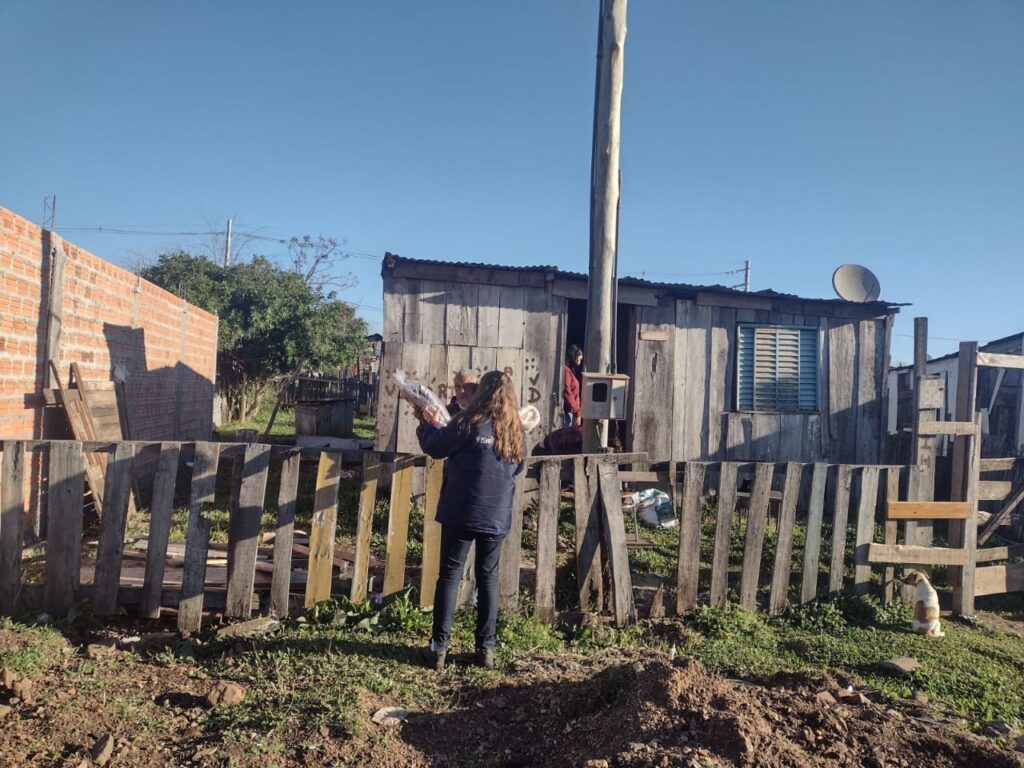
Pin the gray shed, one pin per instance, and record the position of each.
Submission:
(717, 373)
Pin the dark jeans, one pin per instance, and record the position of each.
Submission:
(455, 543)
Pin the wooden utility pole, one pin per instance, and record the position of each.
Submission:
(604, 200)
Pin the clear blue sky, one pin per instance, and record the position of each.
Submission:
(800, 135)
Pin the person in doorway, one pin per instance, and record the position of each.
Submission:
(465, 387)
(571, 376)
(485, 446)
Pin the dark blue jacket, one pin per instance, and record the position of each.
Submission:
(478, 486)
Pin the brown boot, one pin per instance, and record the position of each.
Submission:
(485, 658)
(433, 659)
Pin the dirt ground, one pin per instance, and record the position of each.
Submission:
(614, 708)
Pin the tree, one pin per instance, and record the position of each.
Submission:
(273, 322)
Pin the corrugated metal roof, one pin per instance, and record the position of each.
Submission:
(638, 281)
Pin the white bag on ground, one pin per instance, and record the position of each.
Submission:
(654, 508)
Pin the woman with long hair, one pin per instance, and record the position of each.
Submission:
(485, 447)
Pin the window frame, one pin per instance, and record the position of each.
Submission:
(816, 330)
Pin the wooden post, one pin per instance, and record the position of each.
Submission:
(548, 500)
(511, 548)
(614, 533)
(924, 448)
(54, 303)
(12, 521)
(966, 469)
(588, 535)
(604, 201)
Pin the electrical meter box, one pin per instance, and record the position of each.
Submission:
(604, 395)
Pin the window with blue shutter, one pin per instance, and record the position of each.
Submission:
(776, 368)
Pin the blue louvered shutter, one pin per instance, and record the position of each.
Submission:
(777, 368)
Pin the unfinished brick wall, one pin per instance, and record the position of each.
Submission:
(115, 325)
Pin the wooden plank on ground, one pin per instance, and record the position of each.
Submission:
(904, 554)
(995, 360)
(511, 550)
(812, 545)
(66, 484)
(431, 562)
(588, 535)
(892, 493)
(322, 530)
(865, 529)
(116, 493)
(364, 527)
(927, 510)
(549, 498)
(757, 517)
(688, 564)
(840, 517)
(999, 579)
(160, 509)
(779, 598)
(398, 526)
(284, 534)
(723, 533)
(614, 532)
(12, 522)
(244, 531)
(197, 538)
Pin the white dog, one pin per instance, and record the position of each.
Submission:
(926, 605)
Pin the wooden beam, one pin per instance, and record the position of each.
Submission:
(994, 554)
(928, 510)
(615, 534)
(1000, 465)
(1002, 516)
(54, 302)
(903, 554)
(548, 502)
(999, 579)
(994, 490)
(511, 552)
(994, 360)
(588, 536)
(935, 428)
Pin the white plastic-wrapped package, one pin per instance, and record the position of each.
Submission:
(421, 395)
(530, 417)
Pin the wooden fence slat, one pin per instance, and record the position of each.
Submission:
(160, 509)
(865, 530)
(398, 527)
(466, 597)
(431, 534)
(547, 538)
(928, 510)
(723, 533)
(588, 535)
(779, 598)
(964, 533)
(999, 579)
(66, 484)
(323, 528)
(840, 517)
(12, 522)
(284, 534)
(812, 545)
(511, 550)
(197, 538)
(364, 527)
(244, 531)
(892, 494)
(757, 517)
(688, 564)
(614, 531)
(116, 493)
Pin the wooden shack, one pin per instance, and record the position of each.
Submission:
(1000, 398)
(716, 373)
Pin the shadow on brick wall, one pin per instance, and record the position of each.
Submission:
(164, 403)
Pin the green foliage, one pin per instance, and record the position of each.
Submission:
(272, 320)
(403, 615)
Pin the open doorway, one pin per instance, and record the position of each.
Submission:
(625, 332)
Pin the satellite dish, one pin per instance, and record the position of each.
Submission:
(856, 283)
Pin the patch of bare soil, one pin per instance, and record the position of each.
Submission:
(662, 713)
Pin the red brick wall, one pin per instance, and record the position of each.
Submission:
(115, 325)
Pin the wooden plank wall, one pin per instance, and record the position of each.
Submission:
(436, 329)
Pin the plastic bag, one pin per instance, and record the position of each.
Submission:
(654, 508)
(530, 417)
(419, 394)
